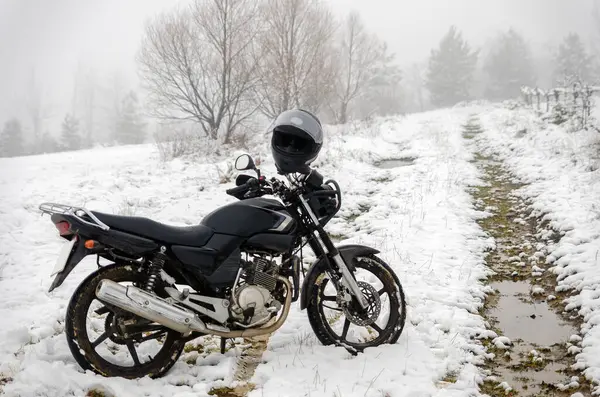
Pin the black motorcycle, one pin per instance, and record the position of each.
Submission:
(234, 275)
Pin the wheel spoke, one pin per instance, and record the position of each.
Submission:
(337, 309)
(345, 330)
(376, 328)
(100, 339)
(133, 352)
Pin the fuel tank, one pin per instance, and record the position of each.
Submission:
(246, 218)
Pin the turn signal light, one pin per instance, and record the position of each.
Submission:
(90, 244)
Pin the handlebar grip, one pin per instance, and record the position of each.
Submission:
(237, 190)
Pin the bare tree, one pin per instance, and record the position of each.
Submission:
(36, 110)
(358, 53)
(196, 65)
(295, 55)
(383, 93)
(85, 102)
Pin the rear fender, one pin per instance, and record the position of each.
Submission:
(79, 252)
(347, 252)
(125, 243)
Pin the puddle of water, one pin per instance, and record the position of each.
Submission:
(531, 325)
(532, 321)
(395, 163)
(528, 383)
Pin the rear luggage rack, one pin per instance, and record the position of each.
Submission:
(53, 208)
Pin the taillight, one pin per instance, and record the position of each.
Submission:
(63, 227)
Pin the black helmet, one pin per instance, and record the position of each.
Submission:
(296, 142)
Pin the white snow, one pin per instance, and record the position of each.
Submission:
(575, 338)
(502, 342)
(420, 216)
(537, 291)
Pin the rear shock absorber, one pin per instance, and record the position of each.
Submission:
(155, 268)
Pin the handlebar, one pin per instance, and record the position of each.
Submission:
(258, 187)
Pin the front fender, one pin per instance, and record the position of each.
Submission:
(347, 252)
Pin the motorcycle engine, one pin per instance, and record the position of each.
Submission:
(252, 302)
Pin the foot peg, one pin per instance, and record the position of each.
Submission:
(184, 294)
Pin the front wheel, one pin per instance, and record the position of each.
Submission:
(337, 322)
(112, 342)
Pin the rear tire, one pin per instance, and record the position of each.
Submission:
(80, 345)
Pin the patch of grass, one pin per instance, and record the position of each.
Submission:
(222, 392)
(333, 319)
(530, 363)
(493, 389)
(382, 179)
(451, 377)
(238, 391)
(95, 393)
(338, 237)
(193, 348)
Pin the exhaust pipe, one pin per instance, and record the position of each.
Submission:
(149, 306)
(154, 308)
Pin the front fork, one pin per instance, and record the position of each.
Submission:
(349, 281)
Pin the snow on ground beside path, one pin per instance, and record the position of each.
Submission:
(419, 216)
(562, 170)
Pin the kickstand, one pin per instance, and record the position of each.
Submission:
(223, 343)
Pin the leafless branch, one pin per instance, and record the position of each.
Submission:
(196, 64)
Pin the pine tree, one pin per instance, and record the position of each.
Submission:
(509, 66)
(451, 69)
(71, 139)
(130, 129)
(11, 139)
(573, 60)
(48, 144)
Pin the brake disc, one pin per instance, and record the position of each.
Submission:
(355, 313)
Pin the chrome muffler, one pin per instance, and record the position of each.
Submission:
(154, 308)
(149, 306)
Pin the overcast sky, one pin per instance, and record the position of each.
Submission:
(53, 36)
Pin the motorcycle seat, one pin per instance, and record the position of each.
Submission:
(193, 236)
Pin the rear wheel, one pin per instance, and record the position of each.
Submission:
(346, 324)
(113, 342)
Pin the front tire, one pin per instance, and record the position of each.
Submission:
(85, 351)
(389, 333)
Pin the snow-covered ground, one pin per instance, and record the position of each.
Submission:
(562, 172)
(420, 216)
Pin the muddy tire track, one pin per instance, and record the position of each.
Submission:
(250, 356)
(532, 340)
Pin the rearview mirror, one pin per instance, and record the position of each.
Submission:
(244, 162)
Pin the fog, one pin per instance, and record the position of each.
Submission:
(53, 40)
